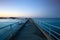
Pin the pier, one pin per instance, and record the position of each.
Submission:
(30, 31)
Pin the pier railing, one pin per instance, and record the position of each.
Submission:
(8, 30)
(49, 29)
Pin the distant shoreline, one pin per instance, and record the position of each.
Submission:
(9, 17)
(18, 17)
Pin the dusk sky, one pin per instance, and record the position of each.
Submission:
(30, 8)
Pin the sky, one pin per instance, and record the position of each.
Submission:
(30, 8)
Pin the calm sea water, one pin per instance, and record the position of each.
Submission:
(50, 25)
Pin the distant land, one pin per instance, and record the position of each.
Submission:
(9, 17)
(17, 17)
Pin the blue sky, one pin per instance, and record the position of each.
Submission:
(30, 8)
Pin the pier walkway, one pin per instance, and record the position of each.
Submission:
(30, 31)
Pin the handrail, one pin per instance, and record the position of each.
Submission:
(8, 25)
(52, 25)
(15, 33)
(11, 31)
(48, 37)
(51, 33)
(52, 30)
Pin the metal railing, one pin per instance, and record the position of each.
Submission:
(45, 26)
(8, 30)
